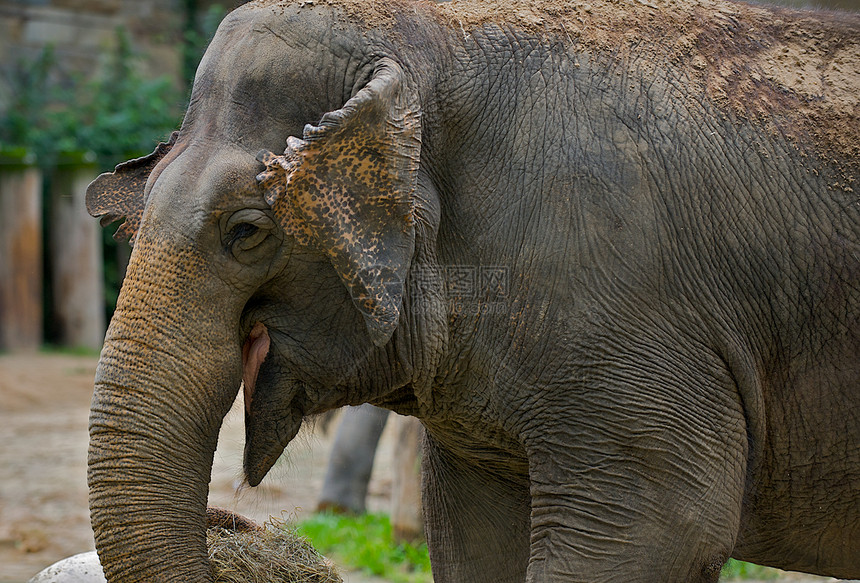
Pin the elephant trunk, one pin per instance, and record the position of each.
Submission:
(163, 386)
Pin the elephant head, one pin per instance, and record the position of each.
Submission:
(287, 272)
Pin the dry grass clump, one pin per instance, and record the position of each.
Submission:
(273, 553)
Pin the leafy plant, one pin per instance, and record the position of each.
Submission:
(117, 114)
(366, 542)
(121, 113)
(21, 124)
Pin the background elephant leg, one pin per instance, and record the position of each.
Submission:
(648, 486)
(476, 522)
(351, 460)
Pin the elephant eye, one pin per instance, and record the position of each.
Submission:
(246, 229)
(241, 231)
(245, 236)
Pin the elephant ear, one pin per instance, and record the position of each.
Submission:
(118, 194)
(347, 189)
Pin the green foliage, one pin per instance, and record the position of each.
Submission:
(22, 126)
(366, 542)
(737, 570)
(126, 112)
(117, 114)
(198, 30)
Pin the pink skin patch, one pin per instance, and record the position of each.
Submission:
(253, 354)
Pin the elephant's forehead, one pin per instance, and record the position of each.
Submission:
(256, 49)
(205, 179)
(234, 87)
(251, 92)
(270, 63)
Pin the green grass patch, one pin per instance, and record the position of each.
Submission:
(366, 543)
(737, 571)
(69, 350)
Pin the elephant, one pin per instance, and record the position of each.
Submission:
(353, 451)
(607, 252)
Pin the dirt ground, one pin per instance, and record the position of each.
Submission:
(44, 402)
(44, 405)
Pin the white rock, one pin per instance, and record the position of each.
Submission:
(82, 568)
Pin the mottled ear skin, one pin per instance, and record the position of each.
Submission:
(347, 190)
(118, 194)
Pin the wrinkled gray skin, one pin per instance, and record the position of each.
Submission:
(672, 376)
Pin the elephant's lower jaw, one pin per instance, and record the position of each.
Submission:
(265, 442)
(272, 412)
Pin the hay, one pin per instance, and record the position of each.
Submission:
(273, 553)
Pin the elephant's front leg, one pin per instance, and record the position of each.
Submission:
(636, 490)
(477, 523)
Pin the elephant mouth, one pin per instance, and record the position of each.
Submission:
(262, 451)
(273, 413)
(254, 353)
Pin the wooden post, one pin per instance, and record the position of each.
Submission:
(20, 254)
(76, 257)
(406, 517)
